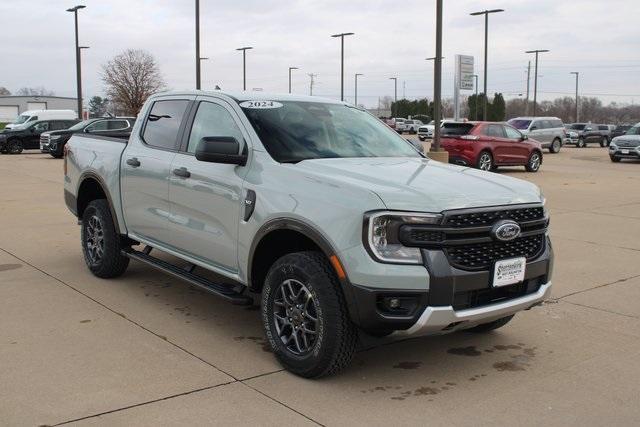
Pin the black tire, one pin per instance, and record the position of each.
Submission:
(421, 138)
(604, 142)
(101, 244)
(486, 327)
(534, 162)
(317, 296)
(56, 155)
(485, 161)
(614, 159)
(555, 146)
(14, 146)
(581, 143)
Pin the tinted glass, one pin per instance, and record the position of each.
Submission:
(456, 128)
(212, 120)
(311, 130)
(495, 131)
(41, 127)
(163, 123)
(58, 125)
(512, 133)
(117, 124)
(577, 126)
(603, 127)
(98, 126)
(537, 124)
(556, 123)
(519, 123)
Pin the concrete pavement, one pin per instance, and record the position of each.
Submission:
(146, 349)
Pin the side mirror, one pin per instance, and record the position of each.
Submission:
(220, 149)
(524, 138)
(533, 128)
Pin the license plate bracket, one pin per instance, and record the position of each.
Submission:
(509, 271)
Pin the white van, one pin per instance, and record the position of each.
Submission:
(33, 115)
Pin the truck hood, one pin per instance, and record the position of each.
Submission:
(424, 185)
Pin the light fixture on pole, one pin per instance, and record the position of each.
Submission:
(356, 89)
(244, 65)
(577, 74)
(535, 79)
(78, 67)
(486, 47)
(342, 35)
(291, 68)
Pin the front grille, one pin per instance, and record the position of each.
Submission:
(44, 139)
(481, 256)
(421, 235)
(627, 144)
(488, 217)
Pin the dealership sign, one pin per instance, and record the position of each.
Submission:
(464, 71)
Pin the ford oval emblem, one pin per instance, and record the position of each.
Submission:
(505, 230)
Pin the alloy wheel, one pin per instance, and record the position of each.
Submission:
(534, 161)
(485, 162)
(95, 240)
(295, 317)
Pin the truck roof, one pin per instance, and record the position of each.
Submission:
(253, 96)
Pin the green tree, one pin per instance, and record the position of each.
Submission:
(497, 111)
(98, 106)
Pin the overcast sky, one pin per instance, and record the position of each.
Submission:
(598, 38)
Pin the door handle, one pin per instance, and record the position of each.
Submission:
(182, 172)
(134, 162)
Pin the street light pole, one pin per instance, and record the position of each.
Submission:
(80, 59)
(198, 44)
(577, 74)
(437, 79)
(395, 88)
(244, 65)
(291, 68)
(432, 58)
(535, 79)
(341, 35)
(356, 89)
(78, 67)
(486, 48)
(475, 115)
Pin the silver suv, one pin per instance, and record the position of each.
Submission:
(332, 220)
(548, 131)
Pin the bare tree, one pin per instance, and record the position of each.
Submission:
(34, 91)
(4, 91)
(131, 77)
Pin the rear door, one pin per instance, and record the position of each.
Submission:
(145, 170)
(537, 131)
(206, 204)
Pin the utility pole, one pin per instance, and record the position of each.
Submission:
(475, 115)
(404, 89)
(526, 105)
(311, 82)
(356, 89)
(535, 79)
(395, 88)
(342, 35)
(486, 47)
(244, 65)
(437, 79)
(78, 66)
(291, 68)
(198, 44)
(577, 74)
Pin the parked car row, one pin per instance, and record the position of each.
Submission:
(49, 131)
(401, 125)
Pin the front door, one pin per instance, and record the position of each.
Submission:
(33, 137)
(518, 147)
(206, 198)
(145, 170)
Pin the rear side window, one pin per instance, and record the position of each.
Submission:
(57, 125)
(557, 123)
(456, 128)
(118, 124)
(100, 125)
(163, 123)
(495, 131)
(603, 127)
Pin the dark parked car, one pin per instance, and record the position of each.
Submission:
(53, 142)
(26, 137)
(487, 145)
(582, 134)
(620, 130)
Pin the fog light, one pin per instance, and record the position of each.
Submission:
(394, 303)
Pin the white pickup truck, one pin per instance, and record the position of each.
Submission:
(333, 220)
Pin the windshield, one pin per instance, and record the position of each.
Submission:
(22, 119)
(296, 131)
(577, 126)
(634, 130)
(82, 124)
(520, 124)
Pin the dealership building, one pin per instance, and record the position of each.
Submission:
(12, 106)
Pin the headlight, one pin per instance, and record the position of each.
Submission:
(54, 137)
(381, 234)
(613, 146)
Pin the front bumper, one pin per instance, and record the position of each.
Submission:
(455, 299)
(44, 147)
(625, 153)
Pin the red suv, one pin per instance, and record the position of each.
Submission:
(487, 145)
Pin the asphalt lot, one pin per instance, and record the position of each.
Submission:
(146, 349)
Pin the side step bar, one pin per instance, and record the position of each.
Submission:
(226, 292)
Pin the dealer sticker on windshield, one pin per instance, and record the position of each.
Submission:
(263, 105)
(509, 271)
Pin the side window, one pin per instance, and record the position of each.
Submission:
(163, 123)
(512, 133)
(546, 124)
(41, 127)
(494, 131)
(117, 124)
(557, 124)
(601, 127)
(212, 120)
(537, 125)
(98, 126)
(57, 125)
